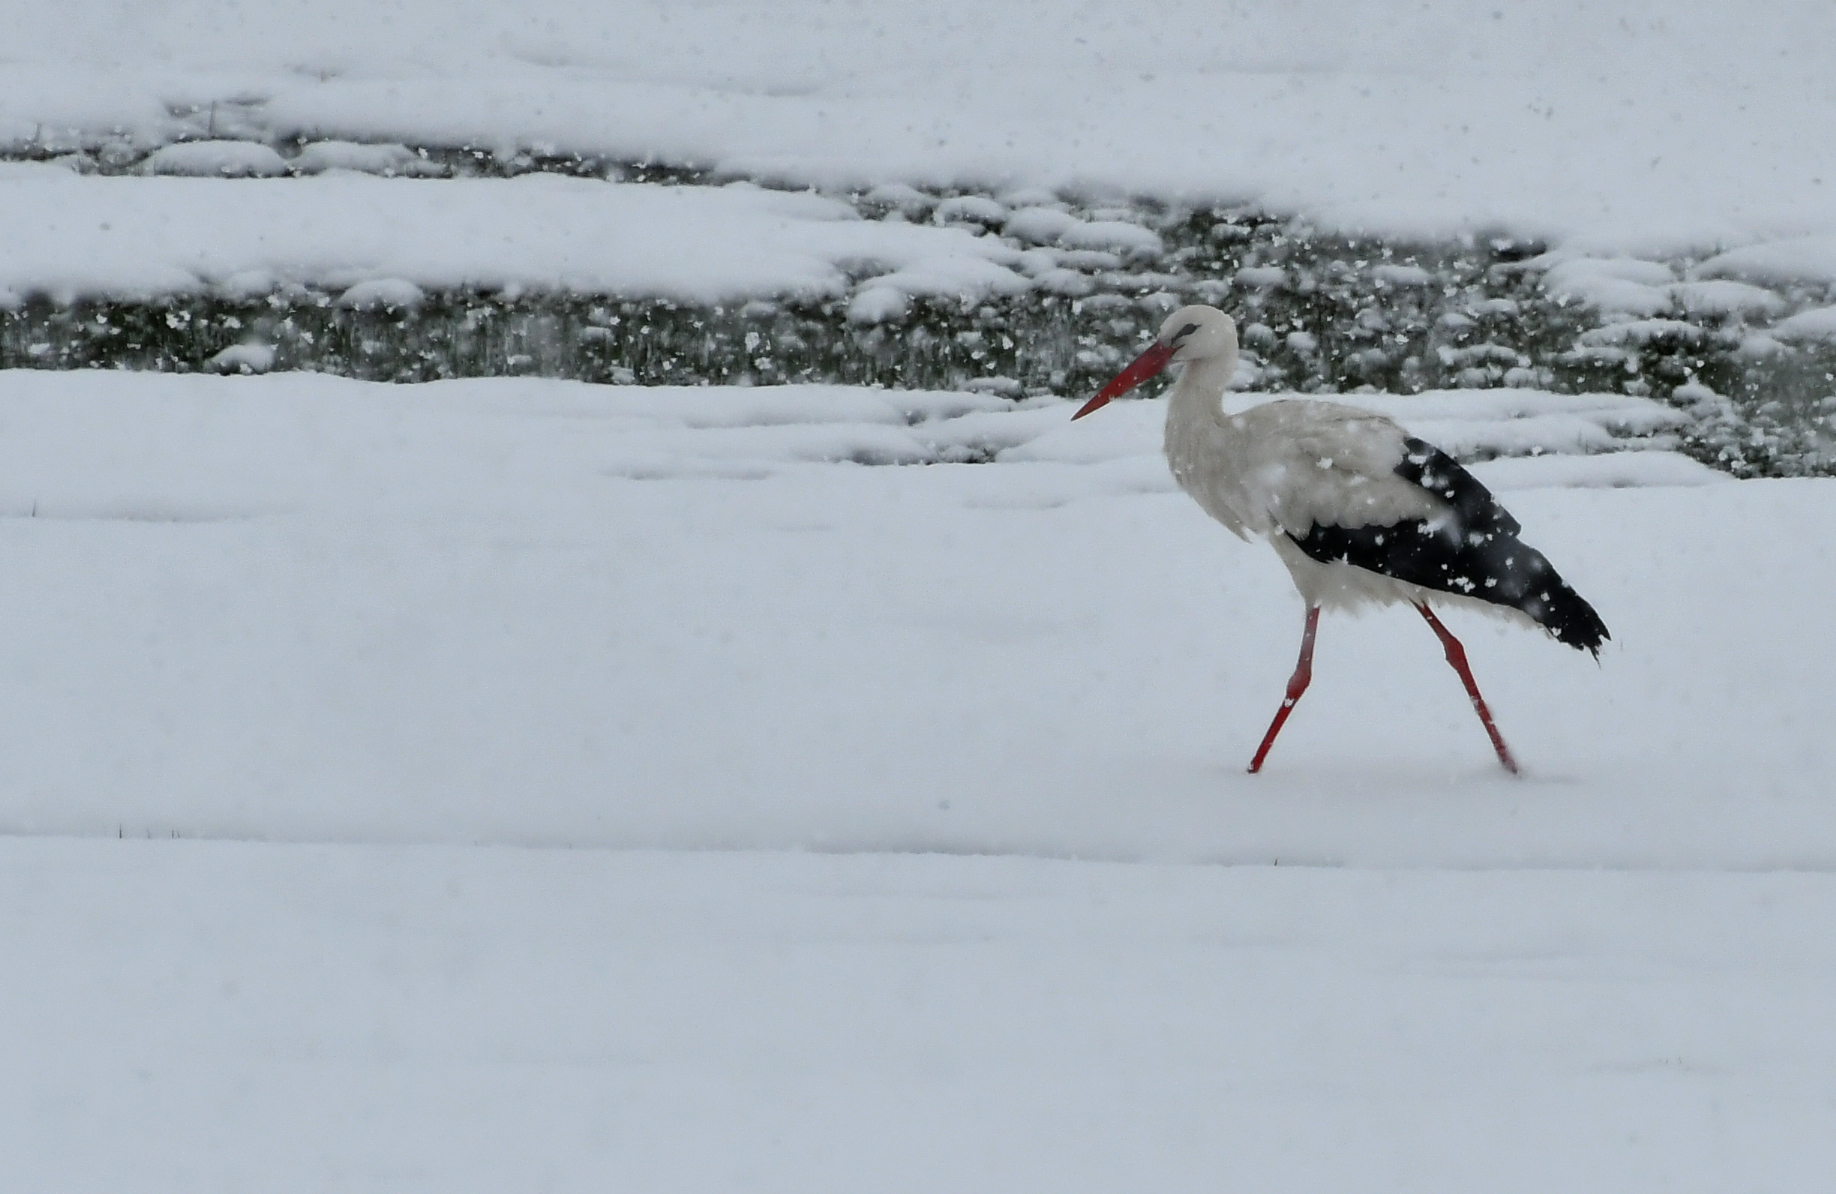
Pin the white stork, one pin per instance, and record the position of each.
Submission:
(1359, 510)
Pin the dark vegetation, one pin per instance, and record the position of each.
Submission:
(1320, 313)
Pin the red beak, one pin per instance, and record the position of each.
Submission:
(1139, 370)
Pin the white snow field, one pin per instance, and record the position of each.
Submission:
(1646, 125)
(216, 1016)
(671, 790)
(543, 613)
(518, 785)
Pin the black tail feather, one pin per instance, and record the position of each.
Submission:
(1473, 552)
(1551, 603)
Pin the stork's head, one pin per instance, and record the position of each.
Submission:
(1189, 335)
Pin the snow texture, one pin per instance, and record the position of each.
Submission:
(1816, 324)
(244, 358)
(217, 159)
(861, 738)
(304, 1018)
(1797, 260)
(390, 161)
(145, 237)
(1586, 124)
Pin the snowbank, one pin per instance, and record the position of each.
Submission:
(216, 159)
(1580, 123)
(145, 237)
(1816, 324)
(1801, 260)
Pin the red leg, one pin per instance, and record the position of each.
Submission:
(1297, 684)
(1456, 655)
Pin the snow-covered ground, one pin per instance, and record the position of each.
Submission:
(221, 1016)
(549, 613)
(435, 623)
(846, 729)
(530, 785)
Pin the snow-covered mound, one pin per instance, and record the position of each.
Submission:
(151, 237)
(217, 159)
(390, 161)
(1582, 123)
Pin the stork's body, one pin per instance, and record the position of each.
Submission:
(1358, 510)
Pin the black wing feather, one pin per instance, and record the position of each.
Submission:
(1474, 551)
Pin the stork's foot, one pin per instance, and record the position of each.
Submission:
(1456, 655)
(1297, 684)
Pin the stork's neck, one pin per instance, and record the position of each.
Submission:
(1198, 395)
(1204, 452)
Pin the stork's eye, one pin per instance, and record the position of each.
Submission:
(1184, 332)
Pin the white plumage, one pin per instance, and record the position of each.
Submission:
(1358, 510)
